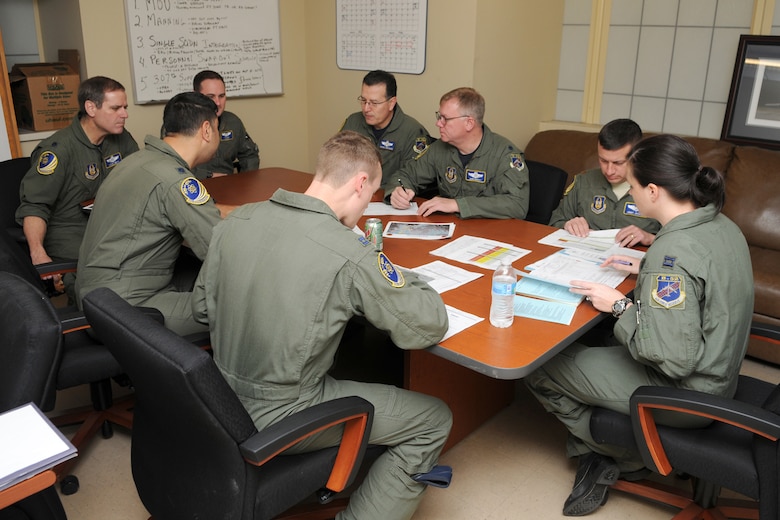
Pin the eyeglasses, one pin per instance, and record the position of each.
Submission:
(364, 101)
(445, 119)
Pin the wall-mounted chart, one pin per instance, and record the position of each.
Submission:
(381, 34)
(172, 40)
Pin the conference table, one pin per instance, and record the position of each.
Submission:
(475, 370)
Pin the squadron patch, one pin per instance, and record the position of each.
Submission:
(386, 144)
(227, 135)
(669, 292)
(389, 271)
(451, 174)
(47, 163)
(570, 186)
(476, 176)
(516, 162)
(112, 160)
(599, 204)
(420, 144)
(92, 172)
(194, 191)
(631, 209)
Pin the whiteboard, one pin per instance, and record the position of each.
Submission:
(172, 40)
(381, 34)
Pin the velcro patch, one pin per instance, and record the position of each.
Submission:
(47, 163)
(476, 176)
(389, 271)
(669, 292)
(194, 191)
(227, 135)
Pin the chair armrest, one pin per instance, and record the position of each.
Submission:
(765, 332)
(61, 267)
(736, 413)
(354, 412)
(73, 319)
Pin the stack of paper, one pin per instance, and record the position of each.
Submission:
(29, 444)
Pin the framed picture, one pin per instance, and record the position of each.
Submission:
(753, 108)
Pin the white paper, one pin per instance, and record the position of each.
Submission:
(380, 208)
(595, 241)
(481, 252)
(442, 276)
(566, 265)
(29, 444)
(419, 230)
(459, 321)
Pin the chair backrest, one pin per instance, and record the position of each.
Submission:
(11, 173)
(31, 345)
(547, 184)
(187, 421)
(13, 259)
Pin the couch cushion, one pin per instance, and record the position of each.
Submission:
(766, 279)
(753, 196)
(713, 153)
(570, 150)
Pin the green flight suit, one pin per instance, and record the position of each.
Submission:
(67, 169)
(494, 183)
(590, 196)
(688, 329)
(149, 207)
(403, 139)
(234, 145)
(280, 282)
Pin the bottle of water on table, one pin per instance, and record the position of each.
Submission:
(502, 312)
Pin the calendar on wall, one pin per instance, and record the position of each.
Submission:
(381, 34)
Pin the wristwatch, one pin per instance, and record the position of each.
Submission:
(620, 306)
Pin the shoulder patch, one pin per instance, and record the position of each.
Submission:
(47, 163)
(668, 292)
(423, 152)
(570, 186)
(389, 271)
(516, 162)
(226, 135)
(194, 191)
(420, 144)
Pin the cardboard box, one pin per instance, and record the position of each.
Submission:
(45, 95)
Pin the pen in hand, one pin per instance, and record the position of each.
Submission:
(400, 182)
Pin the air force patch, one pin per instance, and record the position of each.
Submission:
(389, 271)
(516, 162)
(194, 192)
(386, 144)
(669, 292)
(93, 172)
(420, 144)
(599, 204)
(631, 209)
(227, 135)
(47, 163)
(451, 174)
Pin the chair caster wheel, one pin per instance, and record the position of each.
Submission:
(69, 484)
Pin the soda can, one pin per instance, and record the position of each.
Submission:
(374, 232)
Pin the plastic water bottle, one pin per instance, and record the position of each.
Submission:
(502, 310)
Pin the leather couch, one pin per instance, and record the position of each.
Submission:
(752, 202)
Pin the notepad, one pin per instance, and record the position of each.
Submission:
(29, 444)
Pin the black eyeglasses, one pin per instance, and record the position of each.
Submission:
(364, 101)
(445, 119)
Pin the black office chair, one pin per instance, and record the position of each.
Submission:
(84, 361)
(739, 450)
(29, 357)
(547, 183)
(11, 173)
(195, 451)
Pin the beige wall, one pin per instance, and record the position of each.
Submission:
(506, 49)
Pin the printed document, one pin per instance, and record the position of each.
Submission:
(380, 208)
(481, 252)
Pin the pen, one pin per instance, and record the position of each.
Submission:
(622, 262)
(401, 183)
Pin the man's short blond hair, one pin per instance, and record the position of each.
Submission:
(471, 102)
(344, 155)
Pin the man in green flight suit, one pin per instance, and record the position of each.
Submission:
(68, 168)
(150, 207)
(599, 198)
(479, 174)
(235, 144)
(398, 136)
(281, 281)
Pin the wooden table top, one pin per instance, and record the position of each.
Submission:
(509, 353)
